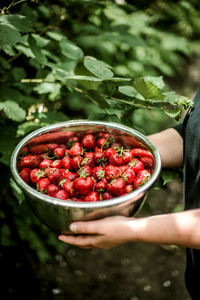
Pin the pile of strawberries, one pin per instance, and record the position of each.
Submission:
(88, 168)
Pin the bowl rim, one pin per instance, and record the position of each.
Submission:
(74, 204)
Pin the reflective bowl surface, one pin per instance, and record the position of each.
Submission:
(58, 214)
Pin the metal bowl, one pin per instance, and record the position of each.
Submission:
(58, 214)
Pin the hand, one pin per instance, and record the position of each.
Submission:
(105, 233)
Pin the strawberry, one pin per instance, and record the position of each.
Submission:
(92, 197)
(42, 148)
(128, 175)
(128, 188)
(98, 172)
(148, 162)
(142, 177)
(68, 186)
(116, 160)
(24, 151)
(66, 163)
(127, 155)
(97, 149)
(111, 172)
(76, 162)
(76, 149)
(88, 142)
(85, 171)
(104, 135)
(104, 143)
(110, 152)
(136, 165)
(83, 185)
(117, 187)
(59, 152)
(30, 161)
(66, 174)
(61, 194)
(56, 164)
(72, 141)
(45, 163)
(42, 185)
(122, 169)
(138, 152)
(52, 188)
(25, 174)
(36, 174)
(100, 158)
(107, 196)
(54, 175)
(101, 185)
(88, 159)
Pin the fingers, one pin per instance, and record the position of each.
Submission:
(85, 227)
(82, 241)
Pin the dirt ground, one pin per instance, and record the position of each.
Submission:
(129, 272)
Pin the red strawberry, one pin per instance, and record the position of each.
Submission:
(68, 174)
(68, 186)
(110, 152)
(42, 148)
(116, 160)
(52, 188)
(76, 149)
(116, 146)
(136, 165)
(23, 151)
(128, 188)
(122, 169)
(45, 163)
(100, 158)
(129, 175)
(36, 174)
(83, 185)
(92, 197)
(59, 152)
(98, 172)
(66, 162)
(42, 185)
(104, 135)
(127, 155)
(101, 185)
(30, 161)
(61, 194)
(142, 177)
(88, 142)
(72, 141)
(138, 152)
(97, 149)
(25, 174)
(107, 196)
(56, 163)
(76, 162)
(111, 172)
(88, 159)
(148, 162)
(54, 175)
(85, 171)
(117, 187)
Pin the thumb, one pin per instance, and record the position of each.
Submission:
(83, 227)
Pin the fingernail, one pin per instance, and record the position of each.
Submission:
(73, 227)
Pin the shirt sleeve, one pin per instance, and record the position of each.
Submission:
(179, 128)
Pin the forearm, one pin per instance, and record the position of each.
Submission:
(181, 228)
(170, 146)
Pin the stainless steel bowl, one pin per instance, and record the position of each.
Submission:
(58, 214)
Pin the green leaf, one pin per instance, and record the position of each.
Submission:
(18, 193)
(8, 142)
(97, 99)
(70, 50)
(17, 22)
(97, 67)
(117, 79)
(53, 89)
(128, 90)
(157, 81)
(13, 111)
(28, 127)
(147, 89)
(37, 52)
(168, 175)
(83, 78)
(173, 113)
(8, 37)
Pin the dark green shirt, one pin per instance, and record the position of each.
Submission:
(190, 131)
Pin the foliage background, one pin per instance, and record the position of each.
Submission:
(121, 61)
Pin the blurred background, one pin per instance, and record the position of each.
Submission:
(63, 60)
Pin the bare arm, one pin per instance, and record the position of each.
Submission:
(170, 145)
